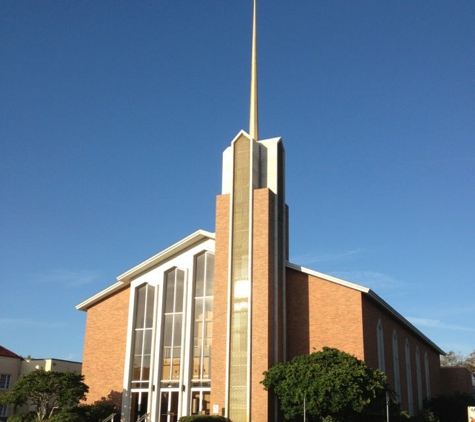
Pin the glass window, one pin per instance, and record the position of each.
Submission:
(410, 397)
(203, 316)
(5, 381)
(397, 374)
(419, 378)
(380, 339)
(3, 410)
(142, 347)
(427, 374)
(173, 324)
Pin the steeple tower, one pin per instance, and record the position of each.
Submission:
(249, 275)
(254, 110)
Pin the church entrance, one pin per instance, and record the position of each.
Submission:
(138, 406)
(169, 405)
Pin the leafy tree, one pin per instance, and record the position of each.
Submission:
(22, 417)
(458, 359)
(335, 386)
(451, 407)
(46, 390)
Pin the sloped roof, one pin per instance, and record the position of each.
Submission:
(8, 353)
(125, 278)
(373, 296)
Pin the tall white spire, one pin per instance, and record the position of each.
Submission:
(254, 112)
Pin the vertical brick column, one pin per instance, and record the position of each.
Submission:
(220, 313)
(262, 343)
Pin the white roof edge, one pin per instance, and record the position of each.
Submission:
(329, 278)
(373, 295)
(98, 296)
(176, 247)
(125, 278)
(275, 139)
(243, 132)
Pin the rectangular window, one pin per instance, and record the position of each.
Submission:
(173, 325)
(143, 336)
(5, 381)
(203, 324)
(3, 410)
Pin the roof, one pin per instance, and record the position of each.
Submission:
(8, 353)
(124, 279)
(374, 297)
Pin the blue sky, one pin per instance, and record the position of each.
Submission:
(114, 116)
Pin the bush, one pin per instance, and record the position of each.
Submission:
(202, 418)
(97, 412)
(23, 417)
(66, 415)
(451, 407)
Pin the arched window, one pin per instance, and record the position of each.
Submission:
(397, 374)
(380, 339)
(427, 374)
(419, 378)
(410, 395)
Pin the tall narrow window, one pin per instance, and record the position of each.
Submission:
(173, 325)
(419, 378)
(203, 318)
(427, 374)
(397, 373)
(145, 299)
(380, 339)
(410, 395)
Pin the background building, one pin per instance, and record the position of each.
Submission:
(12, 366)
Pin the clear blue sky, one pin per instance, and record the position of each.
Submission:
(114, 116)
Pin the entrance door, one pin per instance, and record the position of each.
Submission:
(169, 406)
(138, 406)
(200, 402)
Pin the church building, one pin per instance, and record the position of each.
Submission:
(192, 329)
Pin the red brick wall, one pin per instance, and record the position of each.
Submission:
(262, 342)
(220, 318)
(262, 301)
(321, 313)
(456, 379)
(372, 312)
(104, 346)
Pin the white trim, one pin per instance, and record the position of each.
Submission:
(125, 278)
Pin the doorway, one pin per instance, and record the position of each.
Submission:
(169, 406)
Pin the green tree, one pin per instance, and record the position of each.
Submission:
(335, 386)
(46, 390)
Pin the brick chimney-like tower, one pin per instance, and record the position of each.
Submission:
(251, 249)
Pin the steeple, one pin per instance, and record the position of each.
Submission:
(254, 112)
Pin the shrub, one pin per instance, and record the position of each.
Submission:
(23, 417)
(202, 418)
(66, 415)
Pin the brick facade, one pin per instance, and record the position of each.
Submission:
(220, 320)
(320, 313)
(104, 346)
